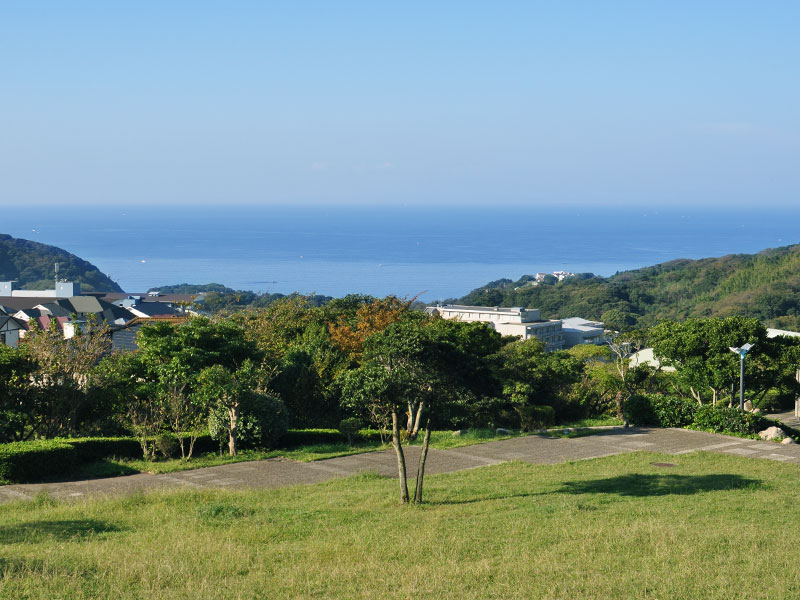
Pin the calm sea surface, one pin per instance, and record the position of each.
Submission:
(439, 252)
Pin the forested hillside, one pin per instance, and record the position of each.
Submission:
(31, 264)
(764, 285)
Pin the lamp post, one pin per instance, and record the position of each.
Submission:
(742, 352)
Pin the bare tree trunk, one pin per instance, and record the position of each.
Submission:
(619, 399)
(401, 460)
(418, 419)
(192, 440)
(422, 458)
(696, 396)
(714, 396)
(234, 413)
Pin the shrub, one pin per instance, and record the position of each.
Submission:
(721, 419)
(262, 422)
(673, 412)
(535, 417)
(167, 444)
(21, 462)
(350, 428)
(638, 410)
(98, 448)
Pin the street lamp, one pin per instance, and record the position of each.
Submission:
(742, 352)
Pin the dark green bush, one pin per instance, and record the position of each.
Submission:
(262, 422)
(294, 438)
(350, 428)
(167, 445)
(22, 462)
(673, 412)
(721, 419)
(98, 448)
(535, 417)
(638, 410)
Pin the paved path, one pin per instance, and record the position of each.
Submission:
(537, 449)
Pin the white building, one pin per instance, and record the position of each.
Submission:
(524, 323)
(579, 331)
(9, 330)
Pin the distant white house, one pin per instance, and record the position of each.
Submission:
(645, 356)
(9, 330)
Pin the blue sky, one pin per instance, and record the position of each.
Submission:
(533, 103)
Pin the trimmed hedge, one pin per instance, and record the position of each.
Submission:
(294, 438)
(21, 462)
(98, 448)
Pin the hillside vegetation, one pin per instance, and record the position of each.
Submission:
(764, 285)
(31, 264)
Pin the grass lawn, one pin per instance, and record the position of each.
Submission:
(714, 526)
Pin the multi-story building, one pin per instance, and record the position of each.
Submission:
(524, 323)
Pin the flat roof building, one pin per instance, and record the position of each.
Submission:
(524, 323)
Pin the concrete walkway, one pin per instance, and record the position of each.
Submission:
(536, 449)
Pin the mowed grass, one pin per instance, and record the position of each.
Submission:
(714, 526)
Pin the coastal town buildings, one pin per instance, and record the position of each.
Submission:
(68, 308)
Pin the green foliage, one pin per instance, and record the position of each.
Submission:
(97, 448)
(31, 264)
(262, 421)
(765, 286)
(673, 412)
(721, 419)
(662, 411)
(666, 411)
(532, 376)
(533, 417)
(639, 411)
(350, 428)
(31, 461)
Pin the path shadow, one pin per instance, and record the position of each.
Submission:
(37, 531)
(641, 484)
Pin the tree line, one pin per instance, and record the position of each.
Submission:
(246, 378)
(765, 286)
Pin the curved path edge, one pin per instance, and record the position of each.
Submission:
(535, 449)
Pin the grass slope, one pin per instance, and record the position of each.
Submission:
(715, 526)
(764, 285)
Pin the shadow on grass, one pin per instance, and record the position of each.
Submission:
(484, 499)
(39, 531)
(99, 469)
(641, 484)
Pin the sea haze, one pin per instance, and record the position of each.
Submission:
(439, 252)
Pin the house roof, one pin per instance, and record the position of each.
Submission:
(152, 309)
(8, 322)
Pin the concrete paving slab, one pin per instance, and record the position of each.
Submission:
(536, 449)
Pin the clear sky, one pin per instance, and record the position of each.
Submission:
(527, 102)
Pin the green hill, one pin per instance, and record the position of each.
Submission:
(764, 285)
(31, 264)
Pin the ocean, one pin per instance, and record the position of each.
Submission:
(435, 252)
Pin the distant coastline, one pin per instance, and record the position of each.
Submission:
(442, 253)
